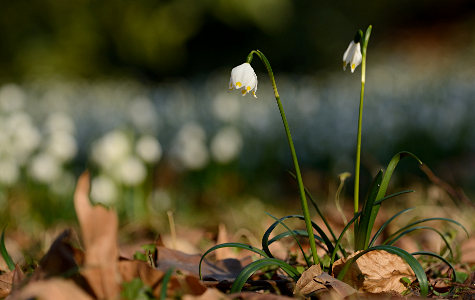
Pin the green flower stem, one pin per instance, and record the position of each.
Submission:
(360, 118)
(303, 199)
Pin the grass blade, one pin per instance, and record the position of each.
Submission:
(410, 260)
(384, 185)
(363, 229)
(231, 245)
(392, 241)
(166, 279)
(259, 264)
(290, 231)
(337, 244)
(427, 220)
(392, 196)
(6, 257)
(296, 232)
(454, 278)
(265, 237)
(380, 230)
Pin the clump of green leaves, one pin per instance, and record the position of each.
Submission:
(363, 220)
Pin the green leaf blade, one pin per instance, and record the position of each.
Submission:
(362, 238)
(3, 250)
(259, 264)
(230, 245)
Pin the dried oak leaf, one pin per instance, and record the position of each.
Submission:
(130, 269)
(226, 269)
(55, 288)
(185, 284)
(18, 277)
(223, 237)
(314, 281)
(375, 272)
(210, 294)
(99, 228)
(306, 285)
(258, 296)
(60, 259)
(6, 282)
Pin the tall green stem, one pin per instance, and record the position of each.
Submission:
(360, 118)
(303, 199)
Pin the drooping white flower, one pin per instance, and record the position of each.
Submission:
(352, 56)
(244, 78)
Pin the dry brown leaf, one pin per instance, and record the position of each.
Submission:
(341, 288)
(223, 253)
(468, 251)
(189, 284)
(210, 294)
(258, 296)
(226, 269)
(18, 277)
(194, 285)
(99, 234)
(55, 288)
(60, 258)
(314, 281)
(306, 285)
(6, 283)
(130, 269)
(376, 272)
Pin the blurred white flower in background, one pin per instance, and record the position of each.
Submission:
(12, 98)
(226, 107)
(226, 144)
(131, 171)
(123, 160)
(143, 115)
(64, 185)
(189, 148)
(23, 136)
(45, 168)
(60, 122)
(149, 149)
(111, 149)
(103, 189)
(9, 172)
(160, 200)
(62, 145)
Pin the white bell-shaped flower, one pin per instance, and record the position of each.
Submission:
(244, 78)
(352, 56)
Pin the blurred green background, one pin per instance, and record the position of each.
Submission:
(136, 91)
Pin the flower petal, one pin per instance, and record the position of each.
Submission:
(357, 58)
(243, 77)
